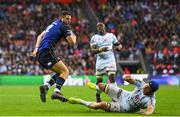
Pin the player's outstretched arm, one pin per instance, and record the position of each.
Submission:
(39, 39)
(129, 79)
(148, 111)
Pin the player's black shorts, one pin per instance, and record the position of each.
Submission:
(47, 58)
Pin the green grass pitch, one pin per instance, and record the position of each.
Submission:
(25, 101)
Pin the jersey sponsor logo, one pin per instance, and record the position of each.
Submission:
(100, 70)
(49, 63)
(136, 97)
(105, 39)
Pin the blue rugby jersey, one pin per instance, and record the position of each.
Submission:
(53, 33)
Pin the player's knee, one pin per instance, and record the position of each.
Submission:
(111, 77)
(111, 73)
(102, 105)
(65, 73)
(99, 79)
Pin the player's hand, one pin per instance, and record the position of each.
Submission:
(142, 111)
(34, 53)
(104, 49)
(146, 113)
(120, 47)
(149, 110)
(129, 79)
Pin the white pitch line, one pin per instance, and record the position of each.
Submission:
(1, 95)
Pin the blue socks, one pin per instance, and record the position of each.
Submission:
(59, 83)
(53, 79)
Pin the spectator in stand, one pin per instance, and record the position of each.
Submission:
(155, 23)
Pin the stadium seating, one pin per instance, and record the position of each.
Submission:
(150, 27)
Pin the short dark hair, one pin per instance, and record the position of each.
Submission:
(100, 24)
(64, 13)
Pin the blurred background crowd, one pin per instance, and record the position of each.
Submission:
(152, 27)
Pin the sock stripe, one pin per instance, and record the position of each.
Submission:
(59, 85)
(53, 80)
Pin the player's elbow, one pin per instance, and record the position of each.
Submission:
(93, 52)
(40, 36)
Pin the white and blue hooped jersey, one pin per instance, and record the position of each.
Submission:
(105, 60)
(129, 101)
(137, 100)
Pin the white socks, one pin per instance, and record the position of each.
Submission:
(57, 90)
(47, 84)
(86, 103)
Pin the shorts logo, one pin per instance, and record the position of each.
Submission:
(49, 63)
(100, 70)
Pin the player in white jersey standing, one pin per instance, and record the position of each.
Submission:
(102, 45)
(141, 99)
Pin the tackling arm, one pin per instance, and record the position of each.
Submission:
(148, 111)
(129, 79)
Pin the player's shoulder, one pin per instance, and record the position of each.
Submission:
(110, 34)
(59, 22)
(95, 36)
(56, 22)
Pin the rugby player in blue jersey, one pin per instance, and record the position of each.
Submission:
(44, 51)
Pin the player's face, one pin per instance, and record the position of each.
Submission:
(147, 90)
(101, 27)
(67, 19)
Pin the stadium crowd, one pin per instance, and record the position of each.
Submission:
(153, 27)
(20, 25)
(150, 26)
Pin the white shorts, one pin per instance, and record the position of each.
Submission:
(119, 97)
(102, 69)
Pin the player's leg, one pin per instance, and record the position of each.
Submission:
(44, 88)
(48, 60)
(97, 105)
(60, 68)
(112, 91)
(111, 75)
(93, 105)
(100, 72)
(99, 79)
(52, 80)
(111, 72)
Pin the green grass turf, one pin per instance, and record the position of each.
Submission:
(24, 100)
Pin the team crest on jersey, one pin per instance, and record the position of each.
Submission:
(49, 63)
